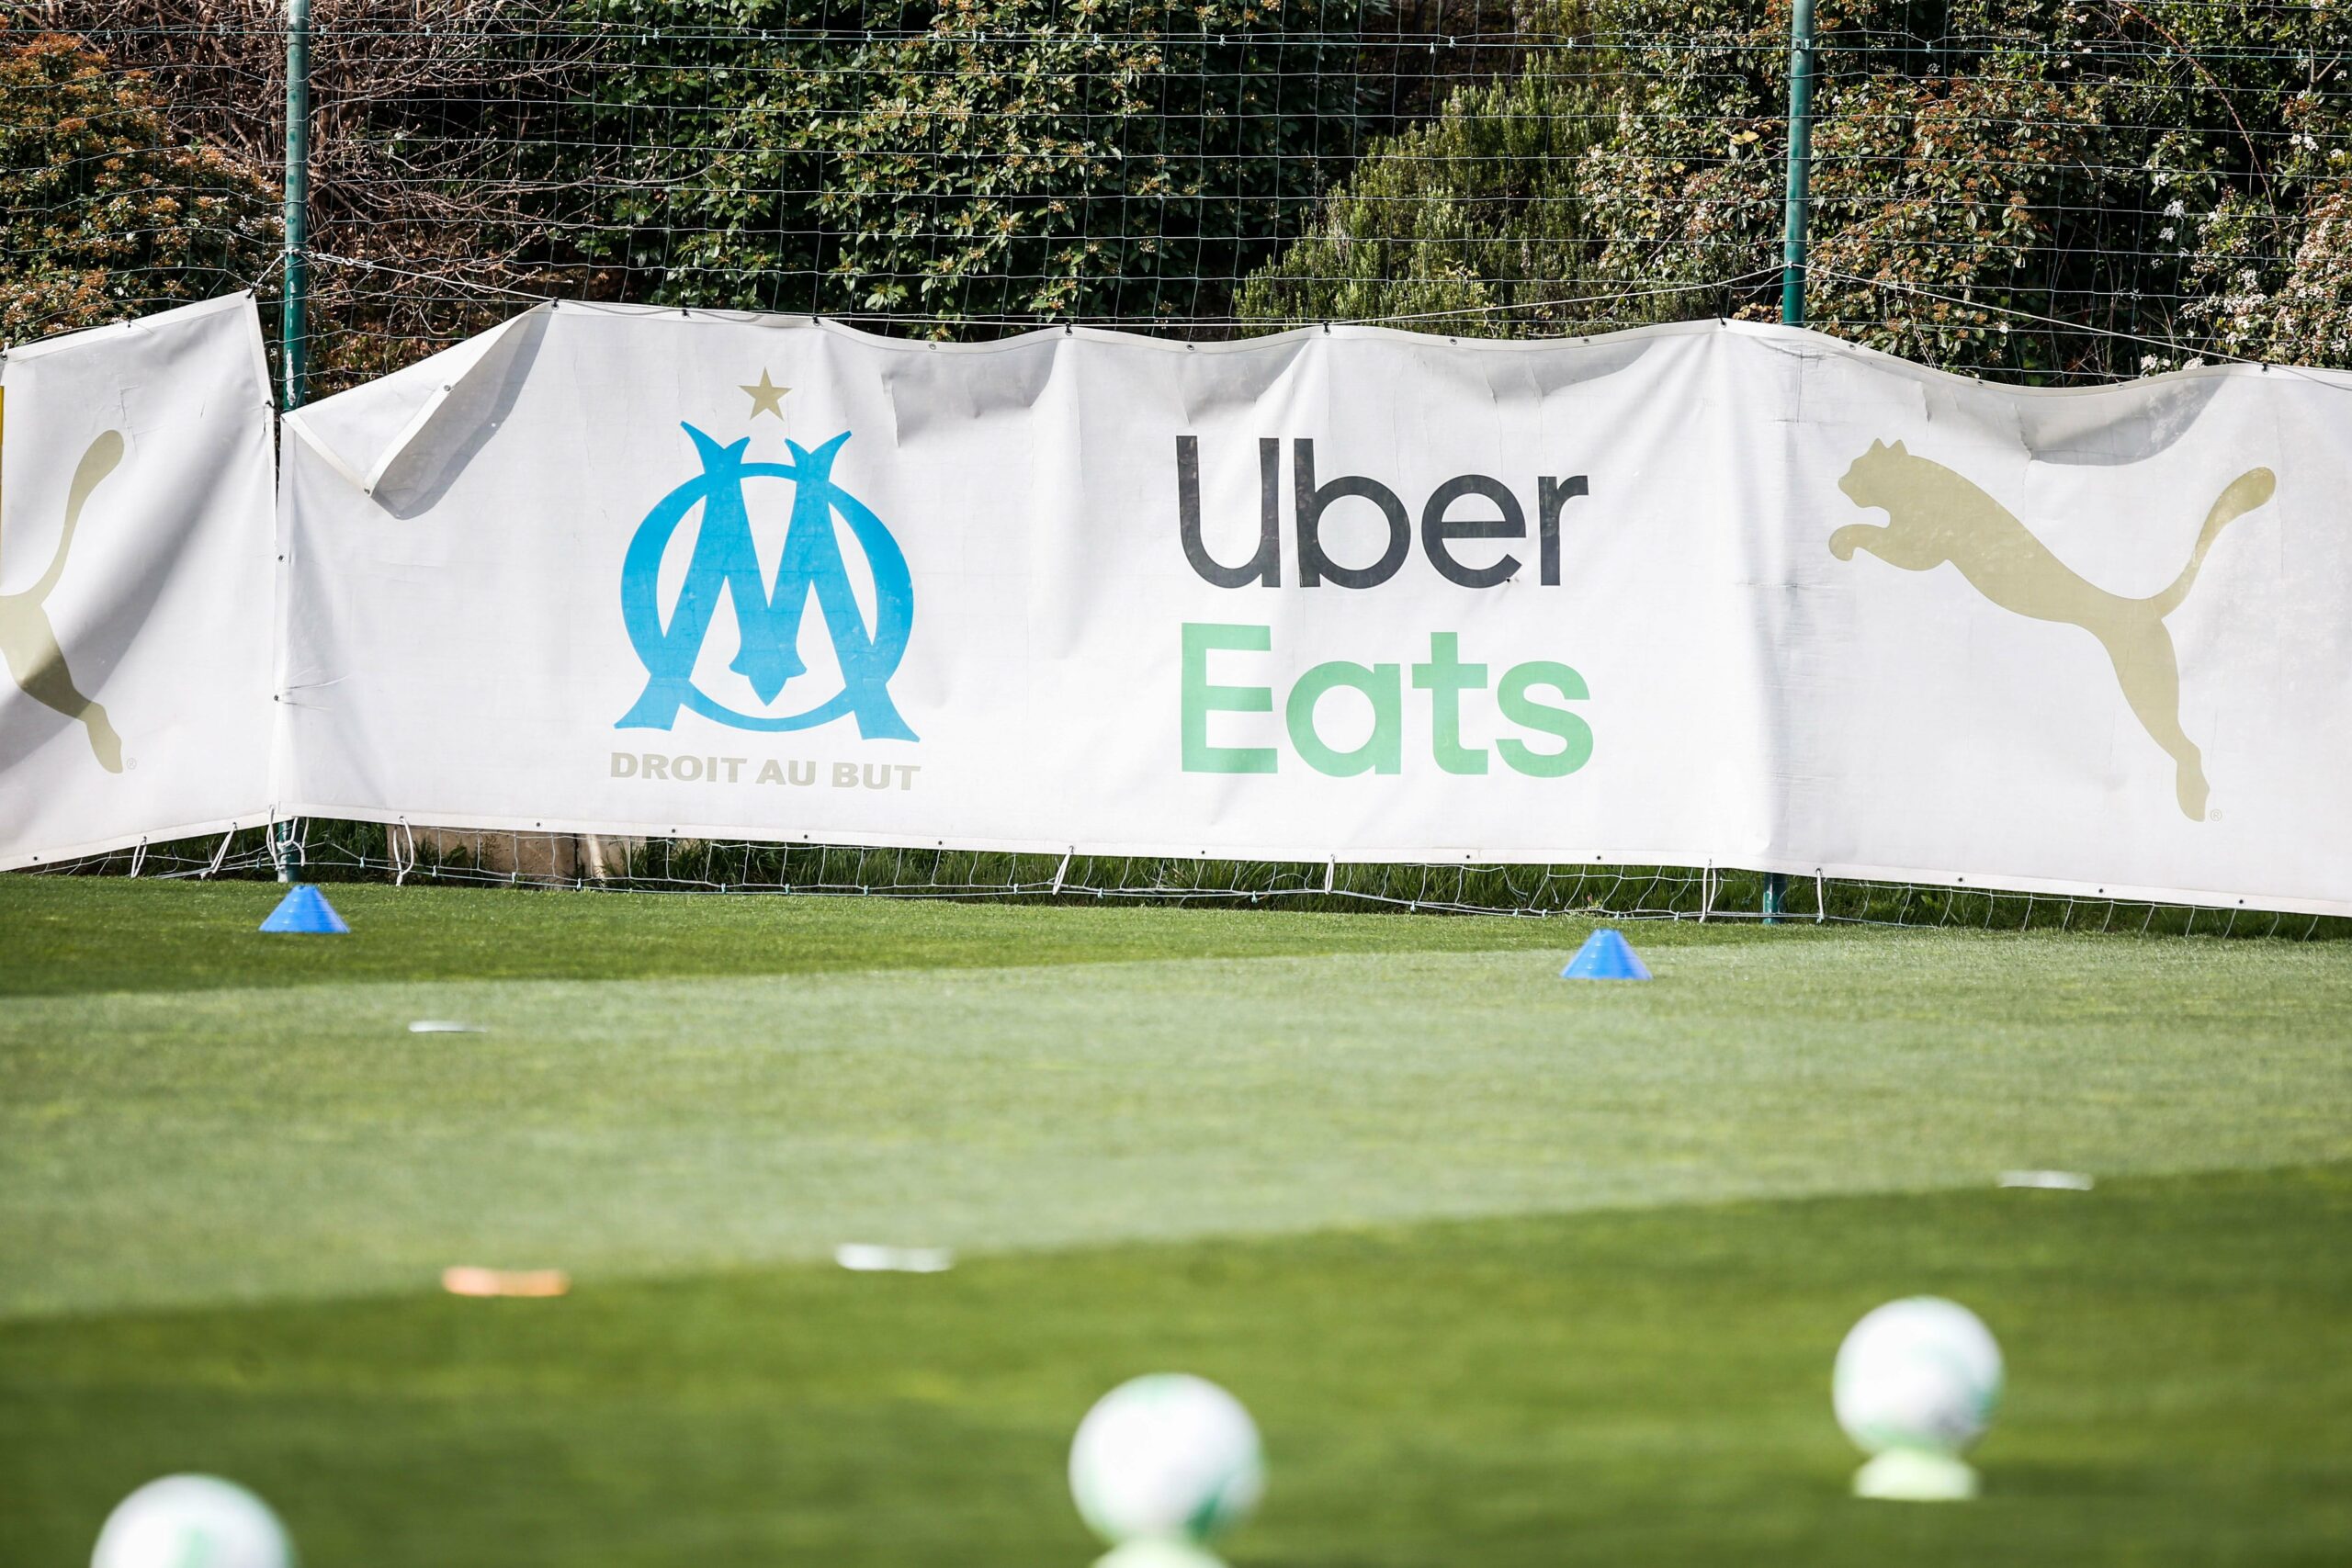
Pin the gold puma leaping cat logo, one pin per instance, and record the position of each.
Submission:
(1935, 517)
(29, 643)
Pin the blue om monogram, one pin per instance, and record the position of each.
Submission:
(724, 562)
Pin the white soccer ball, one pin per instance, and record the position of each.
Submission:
(1918, 1373)
(184, 1519)
(1167, 1458)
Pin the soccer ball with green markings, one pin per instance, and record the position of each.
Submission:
(1920, 1374)
(1166, 1458)
(184, 1519)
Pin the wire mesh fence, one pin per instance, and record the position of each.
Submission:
(399, 852)
(2045, 192)
(2050, 192)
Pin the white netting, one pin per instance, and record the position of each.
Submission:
(347, 852)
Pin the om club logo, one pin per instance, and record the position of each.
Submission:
(768, 615)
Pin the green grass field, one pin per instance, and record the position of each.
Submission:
(1512, 1272)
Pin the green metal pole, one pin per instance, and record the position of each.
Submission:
(293, 335)
(1792, 244)
(1793, 247)
(293, 318)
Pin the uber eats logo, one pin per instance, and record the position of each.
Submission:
(1226, 671)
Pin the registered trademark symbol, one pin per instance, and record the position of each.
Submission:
(2214, 815)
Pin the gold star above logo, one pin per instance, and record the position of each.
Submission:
(767, 397)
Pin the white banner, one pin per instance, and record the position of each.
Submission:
(1705, 595)
(136, 614)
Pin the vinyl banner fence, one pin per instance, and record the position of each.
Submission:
(1699, 594)
(136, 624)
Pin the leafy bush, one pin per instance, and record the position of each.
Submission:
(103, 211)
(2165, 171)
(1470, 224)
(971, 160)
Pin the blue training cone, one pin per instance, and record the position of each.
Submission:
(306, 911)
(1606, 956)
